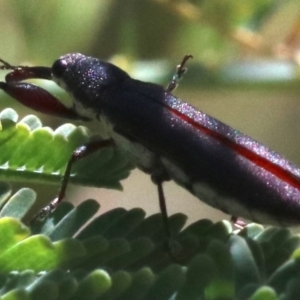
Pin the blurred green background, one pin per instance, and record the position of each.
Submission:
(245, 69)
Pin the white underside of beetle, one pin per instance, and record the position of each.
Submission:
(143, 157)
(230, 205)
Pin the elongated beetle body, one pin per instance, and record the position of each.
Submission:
(168, 139)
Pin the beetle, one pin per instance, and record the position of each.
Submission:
(166, 138)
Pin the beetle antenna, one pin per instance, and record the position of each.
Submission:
(6, 65)
(180, 71)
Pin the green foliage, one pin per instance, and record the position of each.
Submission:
(25, 147)
(122, 254)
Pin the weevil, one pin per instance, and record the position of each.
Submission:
(166, 138)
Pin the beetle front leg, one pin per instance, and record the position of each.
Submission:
(33, 96)
(38, 99)
(78, 154)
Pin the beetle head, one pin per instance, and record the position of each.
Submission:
(86, 78)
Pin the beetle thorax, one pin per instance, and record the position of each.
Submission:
(143, 158)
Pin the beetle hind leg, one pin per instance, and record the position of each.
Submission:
(238, 223)
(180, 71)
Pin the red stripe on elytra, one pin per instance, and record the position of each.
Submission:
(255, 158)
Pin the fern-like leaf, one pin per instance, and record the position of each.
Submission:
(33, 153)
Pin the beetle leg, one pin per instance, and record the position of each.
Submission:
(238, 223)
(180, 71)
(38, 99)
(163, 209)
(78, 154)
(171, 247)
(33, 96)
(19, 73)
(158, 180)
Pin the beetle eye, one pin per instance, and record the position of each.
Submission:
(59, 67)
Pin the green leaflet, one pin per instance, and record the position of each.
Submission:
(32, 153)
(121, 255)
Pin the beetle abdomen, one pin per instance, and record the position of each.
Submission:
(222, 167)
